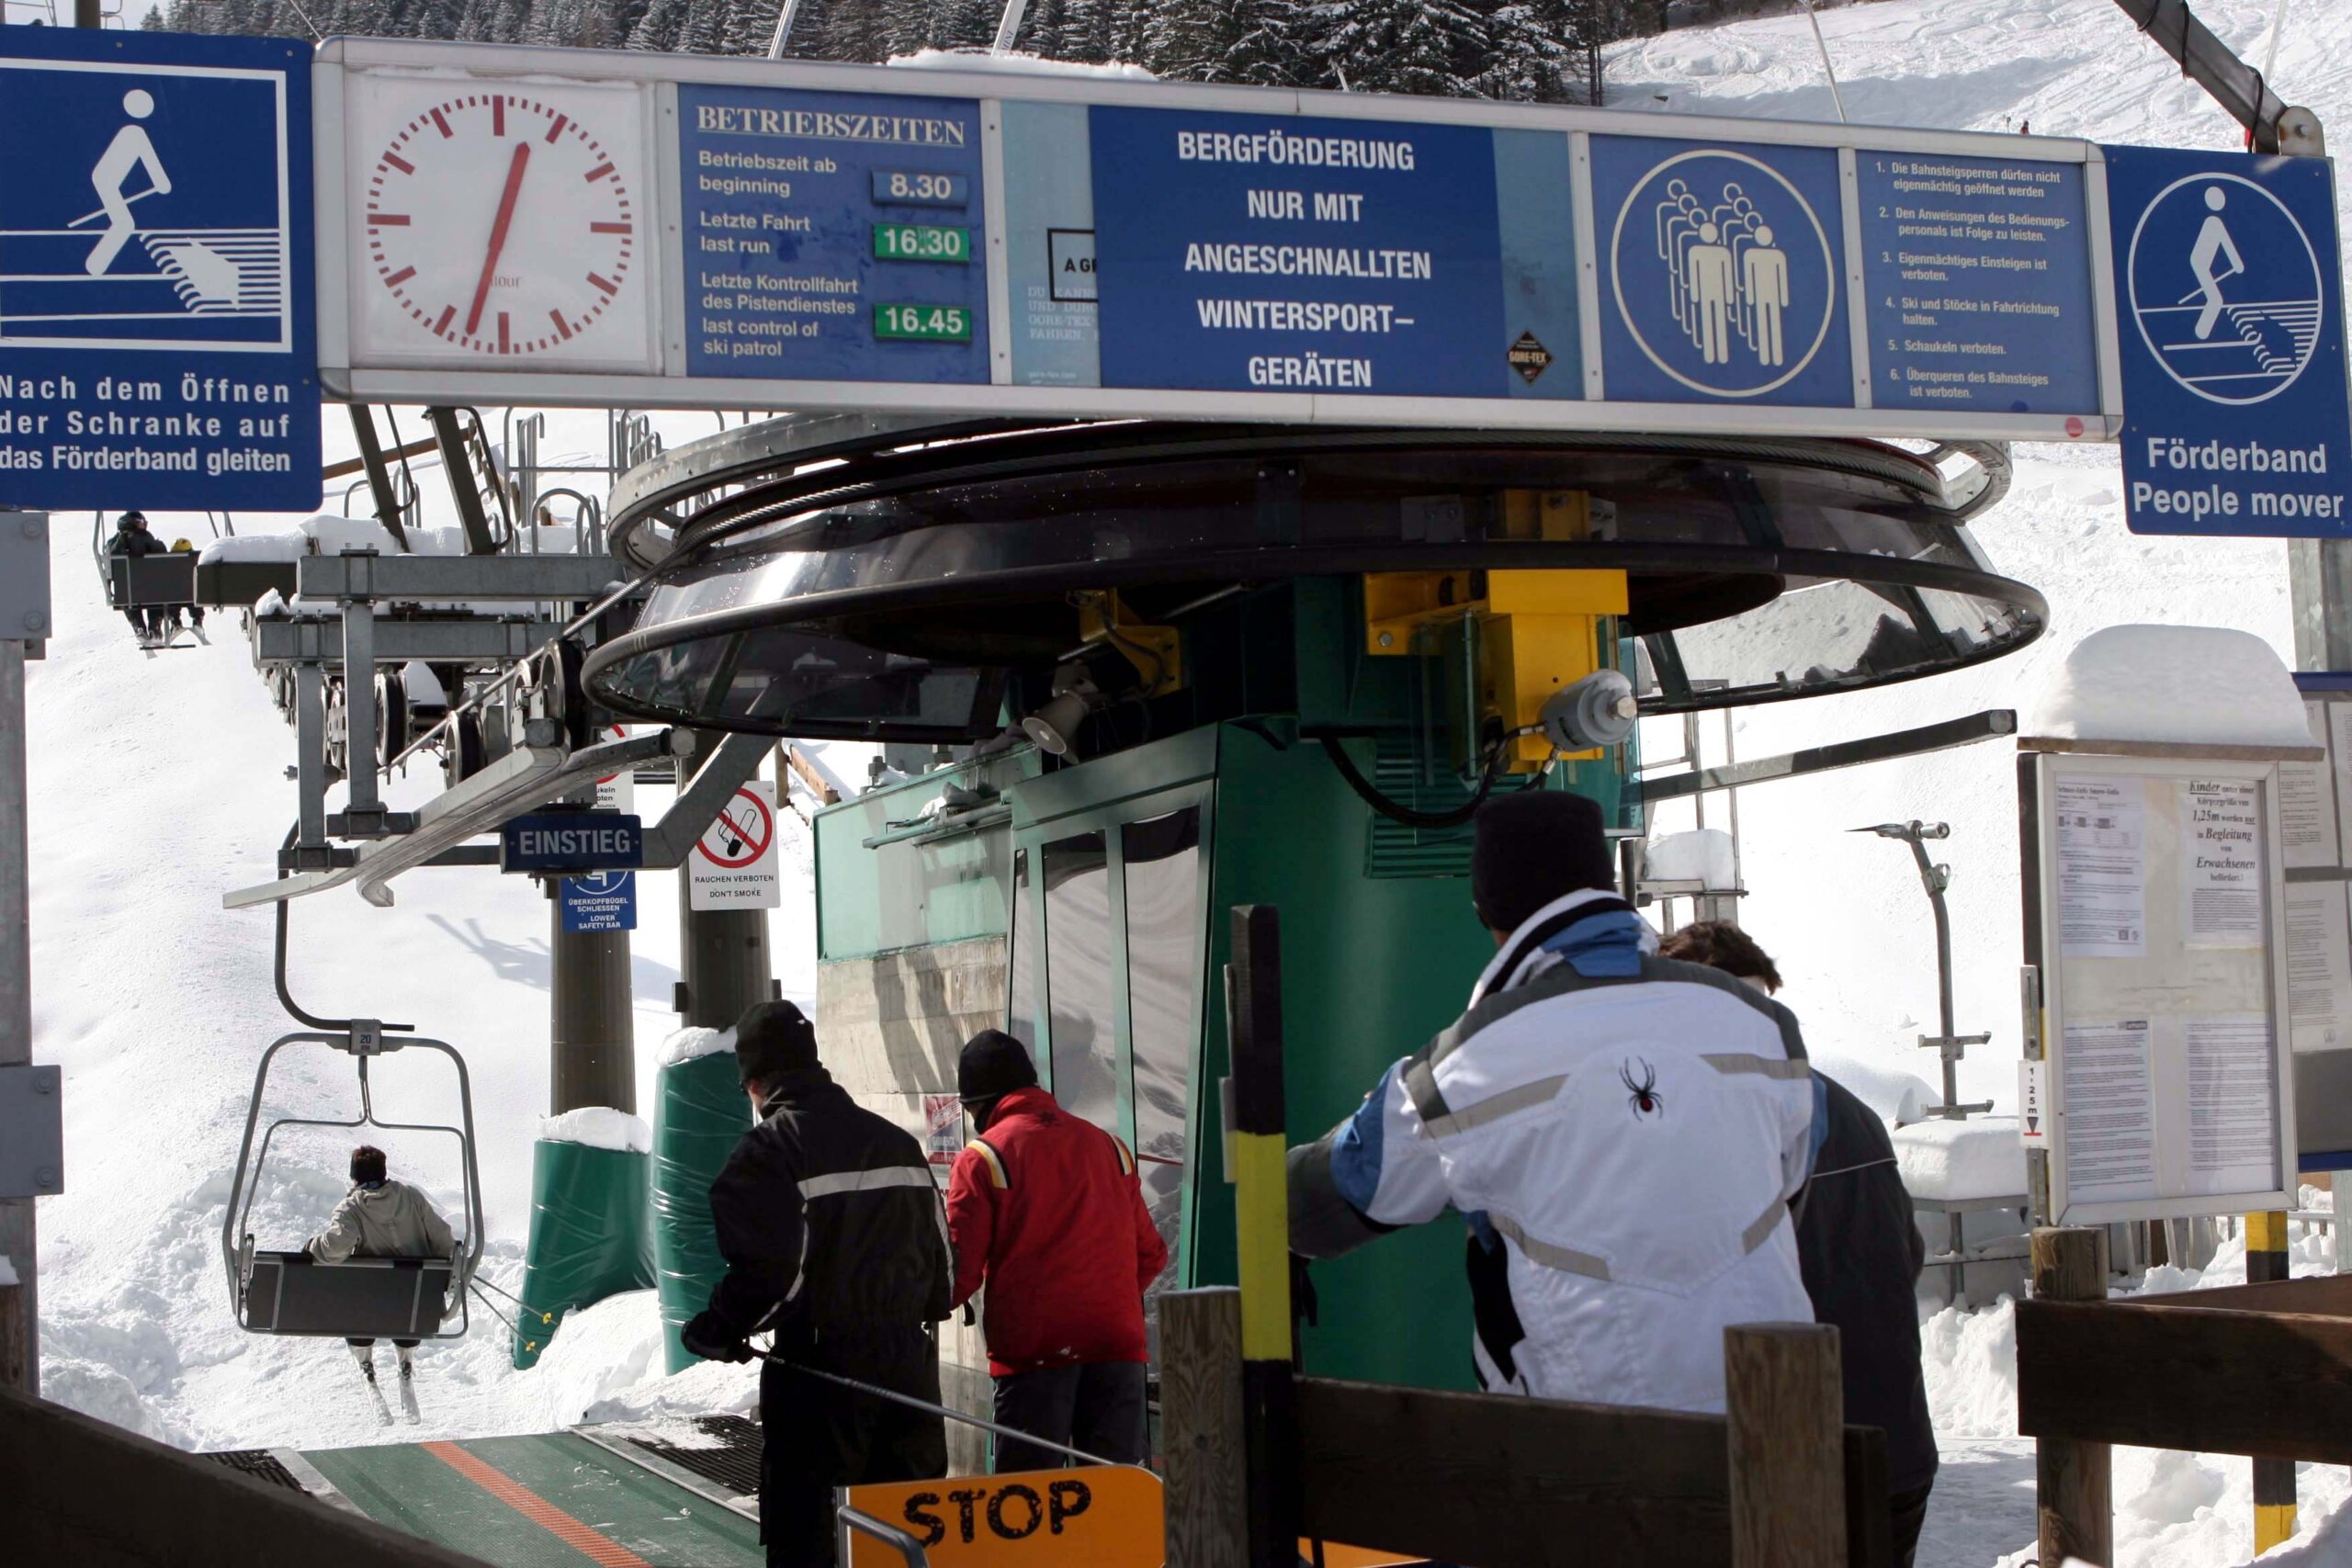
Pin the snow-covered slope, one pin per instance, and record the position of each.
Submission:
(157, 1002)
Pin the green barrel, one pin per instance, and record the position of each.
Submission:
(590, 1236)
(699, 1113)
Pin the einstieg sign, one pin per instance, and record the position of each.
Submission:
(157, 343)
(572, 842)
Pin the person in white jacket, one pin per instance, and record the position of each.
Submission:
(1620, 1132)
(381, 1218)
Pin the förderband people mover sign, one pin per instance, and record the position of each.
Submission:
(2226, 272)
(156, 319)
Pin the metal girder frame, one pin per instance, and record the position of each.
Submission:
(398, 641)
(670, 841)
(1985, 726)
(501, 577)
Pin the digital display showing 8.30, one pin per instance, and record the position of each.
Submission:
(832, 235)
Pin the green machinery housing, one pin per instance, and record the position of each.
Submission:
(1135, 674)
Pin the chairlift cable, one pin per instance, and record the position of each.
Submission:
(929, 1409)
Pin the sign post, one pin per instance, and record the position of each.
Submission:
(24, 622)
(158, 333)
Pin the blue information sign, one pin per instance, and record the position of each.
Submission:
(1271, 254)
(833, 236)
(570, 842)
(2229, 287)
(1720, 272)
(1976, 277)
(157, 329)
(605, 901)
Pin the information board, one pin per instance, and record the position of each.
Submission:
(833, 236)
(807, 235)
(156, 319)
(2314, 804)
(2164, 971)
(2232, 358)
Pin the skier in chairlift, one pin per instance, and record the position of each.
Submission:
(131, 540)
(379, 1218)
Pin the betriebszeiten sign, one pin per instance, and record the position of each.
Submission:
(157, 331)
(2229, 284)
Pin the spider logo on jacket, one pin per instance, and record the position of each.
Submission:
(1643, 1096)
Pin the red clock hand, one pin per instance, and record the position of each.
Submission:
(498, 234)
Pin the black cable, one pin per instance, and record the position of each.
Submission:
(1404, 814)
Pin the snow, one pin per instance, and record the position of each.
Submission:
(1704, 855)
(689, 1044)
(599, 1127)
(2203, 686)
(1950, 1161)
(1016, 64)
(7, 1271)
(1898, 1096)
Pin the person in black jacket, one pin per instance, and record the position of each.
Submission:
(1861, 1252)
(836, 1244)
(133, 539)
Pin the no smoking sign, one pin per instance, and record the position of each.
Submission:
(734, 865)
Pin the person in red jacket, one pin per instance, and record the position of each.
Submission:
(1045, 1209)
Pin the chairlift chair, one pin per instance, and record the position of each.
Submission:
(361, 1298)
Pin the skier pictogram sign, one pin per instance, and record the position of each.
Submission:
(733, 865)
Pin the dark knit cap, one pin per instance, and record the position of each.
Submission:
(1533, 846)
(772, 1039)
(993, 1063)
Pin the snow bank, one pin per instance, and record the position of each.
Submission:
(1898, 1096)
(598, 1127)
(1704, 855)
(1016, 64)
(7, 1271)
(1980, 1158)
(689, 1044)
(2182, 685)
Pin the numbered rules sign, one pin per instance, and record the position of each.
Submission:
(733, 865)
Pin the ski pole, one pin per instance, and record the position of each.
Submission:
(923, 1404)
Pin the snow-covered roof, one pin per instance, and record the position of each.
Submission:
(2187, 690)
(1016, 64)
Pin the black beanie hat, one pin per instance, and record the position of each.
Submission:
(772, 1038)
(1531, 848)
(993, 1063)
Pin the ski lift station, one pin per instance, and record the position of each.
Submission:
(1196, 503)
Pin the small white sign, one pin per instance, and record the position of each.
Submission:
(2033, 1104)
(733, 865)
(617, 792)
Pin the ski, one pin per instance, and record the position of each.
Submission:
(408, 1399)
(383, 1411)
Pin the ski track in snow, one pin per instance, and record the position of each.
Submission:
(157, 1002)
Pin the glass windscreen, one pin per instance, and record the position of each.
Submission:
(1163, 877)
(1079, 996)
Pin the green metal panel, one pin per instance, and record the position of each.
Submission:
(885, 881)
(1370, 969)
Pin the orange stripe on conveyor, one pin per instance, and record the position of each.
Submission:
(536, 1508)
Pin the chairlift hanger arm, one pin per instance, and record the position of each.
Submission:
(2271, 125)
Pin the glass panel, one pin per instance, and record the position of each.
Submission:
(1078, 978)
(1163, 871)
(1020, 1010)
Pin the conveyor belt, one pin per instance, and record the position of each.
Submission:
(728, 1453)
(555, 1500)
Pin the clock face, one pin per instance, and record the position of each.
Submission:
(500, 222)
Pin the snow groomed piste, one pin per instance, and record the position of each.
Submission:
(1268, 663)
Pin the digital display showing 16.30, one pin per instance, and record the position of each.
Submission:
(922, 241)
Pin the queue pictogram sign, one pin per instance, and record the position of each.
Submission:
(733, 865)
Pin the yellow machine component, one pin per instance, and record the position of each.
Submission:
(1156, 652)
(1538, 631)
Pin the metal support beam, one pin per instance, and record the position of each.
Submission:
(359, 709)
(502, 577)
(1941, 736)
(723, 955)
(20, 1314)
(452, 641)
(310, 752)
(670, 841)
(379, 474)
(460, 467)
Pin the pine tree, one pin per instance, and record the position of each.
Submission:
(1434, 47)
(1247, 41)
(908, 26)
(1533, 52)
(657, 30)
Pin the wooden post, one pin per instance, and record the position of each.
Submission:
(1203, 1454)
(2073, 1481)
(1786, 1403)
(16, 1339)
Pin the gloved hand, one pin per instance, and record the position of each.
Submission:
(703, 1335)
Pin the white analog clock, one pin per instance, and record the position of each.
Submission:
(499, 222)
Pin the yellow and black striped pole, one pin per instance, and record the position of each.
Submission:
(1258, 1150)
(2274, 1479)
